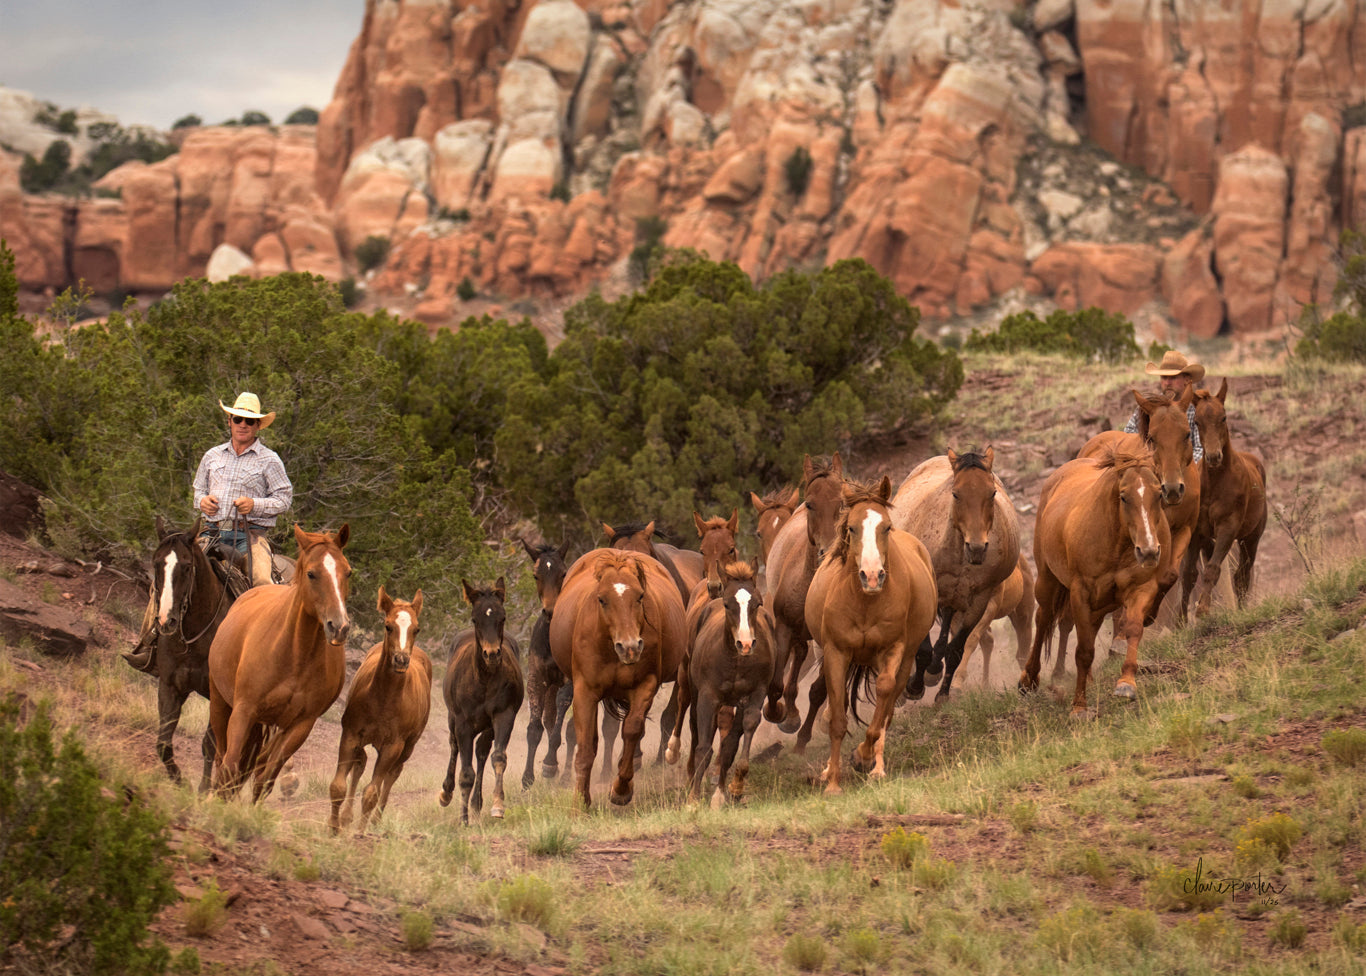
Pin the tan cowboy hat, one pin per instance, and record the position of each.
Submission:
(249, 405)
(1174, 364)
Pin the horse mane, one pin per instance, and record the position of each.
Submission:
(628, 529)
(821, 467)
(1123, 459)
(739, 570)
(778, 497)
(855, 493)
(970, 460)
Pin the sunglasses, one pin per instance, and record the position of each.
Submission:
(249, 421)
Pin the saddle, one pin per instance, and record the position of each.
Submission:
(230, 566)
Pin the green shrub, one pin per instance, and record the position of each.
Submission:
(187, 122)
(417, 930)
(1174, 889)
(348, 291)
(466, 289)
(527, 898)
(1288, 929)
(864, 950)
(186, 961)
(805, 952)
(1347, 747)
(207, 913)
(797, 169)
(371, 252)
(1349, 934)
(553, 841)
(1074, 935)
(1279, 832)
(302, 116)
(904, 849)
(1024, 816)
(1246, 787)
(1137, 927)
(1091, 334)
(253, 117)
(83, 868)
(560, 191)
(39, 176)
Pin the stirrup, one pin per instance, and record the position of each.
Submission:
(141, 659)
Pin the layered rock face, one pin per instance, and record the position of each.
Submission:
(525, 146)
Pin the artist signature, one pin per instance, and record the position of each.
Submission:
(1255, 886)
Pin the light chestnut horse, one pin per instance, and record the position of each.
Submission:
(386, 709)
(727, 669)
(870, 606)
(961, 511)
(790, 566)
(1013, 600)
(1232, 509)
(617, 631)
(277, 663)
(771, 514)
(1098, 542)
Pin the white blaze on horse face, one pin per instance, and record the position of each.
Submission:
(167, 597)
(870, 560)
(405, 623)
(330, 567)
(1149, 536)
(744, 632)
(620, 588)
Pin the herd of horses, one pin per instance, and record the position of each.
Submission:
(862, 571)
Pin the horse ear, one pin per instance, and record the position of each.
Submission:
(794, 497)
(650, 530)
(1187, 397)
(1144, 403)
(808, 469)
(884, 488)
(952, 455)
(564, 549)
(161, 528)
(1223, 390)
(756, 502)
(468, 590)
(300, 537)
(701, 526)
(989, 457)
(836, 465)
(733, 523)
(500, 588)
(607, 531)
(385, 603)
(198, 525)
(531, 553)
(417, 602)
(343, 534)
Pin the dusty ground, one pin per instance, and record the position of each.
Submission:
(305, 928)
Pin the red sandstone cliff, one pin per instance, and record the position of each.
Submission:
(960, 148)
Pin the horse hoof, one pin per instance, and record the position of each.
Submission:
(718, 799)
(445, 799)
(671, 753)
(932, 677)
(941, 696)
(915, 692)
(833, 789)
(791, 722)
(1080, 713)
(549, 771)
(496, 813)
(775, 712)
(527, 781)
(1126, 689)
(620, 799)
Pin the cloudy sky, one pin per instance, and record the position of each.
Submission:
(154, 61)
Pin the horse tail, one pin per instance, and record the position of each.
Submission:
(1059, 601)
(860, 685)
(616, 707)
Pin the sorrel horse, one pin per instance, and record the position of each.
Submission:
(387, 708)
(772, 512)
(544, 679)
(483, 689)
(1098, 543)
(716, 540)
(870, 606)
(1013, 600)
(729, 664)
(790, 567)
(1232, 509)
(191, 601)
(617, 631)
(277, 663)
(960, 510)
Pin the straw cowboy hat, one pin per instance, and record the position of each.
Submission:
(249, 405)
(1174, 364)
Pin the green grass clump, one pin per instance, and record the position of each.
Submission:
(904, 849)
(1279, 832)
(1074, 935)
(1246, 787)
(1347, 747)
(417, 930)
(186, 961)
(554, 840)
(863, 950)
(527, 898)
(805, 952)
(934, 873)
(1024, 816)
(1288, 929)
(208, 913)
(1350, 934)
(1137, 927)
(1174, 889)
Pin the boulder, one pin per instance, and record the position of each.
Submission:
(55, 630)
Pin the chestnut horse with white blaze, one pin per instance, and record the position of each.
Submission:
(387, 709)
(277, 663)
(617, 632)
(870, 605)
(1098, 543)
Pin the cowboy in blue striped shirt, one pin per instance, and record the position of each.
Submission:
(240, 487)
(1176, 373)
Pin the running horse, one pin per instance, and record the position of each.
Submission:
(544, 680)
(960, 510)
(870, 606)
(617, 632)
(1232, 509)
(788, 572)
(277, 663)
(771, 513)
(1098, 543)
(1014, 600)
(191, 601)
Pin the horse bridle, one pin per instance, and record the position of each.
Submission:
(185, 604)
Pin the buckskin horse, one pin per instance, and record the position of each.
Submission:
(960, 510)
(791, 565)
(191, 601)
(387, 708)
(870, 606)
(729, 665)
(1098, 542)
(483, 689)
(544, 679)
(1232, 509)
(617, 631)
(277, 663)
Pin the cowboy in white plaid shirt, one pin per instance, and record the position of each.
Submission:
(1176, 373)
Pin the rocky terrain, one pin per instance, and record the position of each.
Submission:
(1191, 167)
